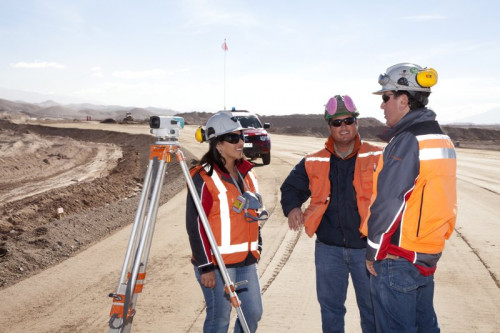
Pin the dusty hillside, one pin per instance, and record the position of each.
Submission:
(471, 136)
(32, 237)
(314, 125)
(296, 124)
(54, 110)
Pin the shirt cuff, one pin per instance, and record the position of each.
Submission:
(206, 268)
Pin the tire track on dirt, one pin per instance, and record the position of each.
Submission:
(483, 262)
(289, 244)
(469, 244)
(288, 239)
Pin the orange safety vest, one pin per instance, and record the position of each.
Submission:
(235, 236)
(317, 167)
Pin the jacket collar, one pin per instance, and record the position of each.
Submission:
(330, 146)
(242, 165)
(412, 117)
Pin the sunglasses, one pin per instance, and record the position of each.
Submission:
(338, 122)
(233, 138)
(386, 97)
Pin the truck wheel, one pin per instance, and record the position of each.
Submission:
(266, 158)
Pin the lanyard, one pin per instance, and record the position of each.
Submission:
(236, 184)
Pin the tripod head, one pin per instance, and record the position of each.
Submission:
(166, 128)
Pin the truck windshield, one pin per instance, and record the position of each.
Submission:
(249, 121)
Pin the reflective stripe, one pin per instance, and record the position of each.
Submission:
(436, 154)
(225, 220)
(432, 137)
(317, 159)
(254, 181)
(372, 244)
(370, 153)
(255, 184)
(243, 247)
(206, 247)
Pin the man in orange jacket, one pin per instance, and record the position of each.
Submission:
(338, 179)
(414, 205)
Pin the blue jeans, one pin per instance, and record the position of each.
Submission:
(219, 306)
(403, 298)
(333, 265)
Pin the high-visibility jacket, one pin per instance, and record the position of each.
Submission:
(414, 206)
(235, 236)
(317, 167)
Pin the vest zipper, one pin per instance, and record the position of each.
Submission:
(421, 207)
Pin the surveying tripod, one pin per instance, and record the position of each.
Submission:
(133, 271)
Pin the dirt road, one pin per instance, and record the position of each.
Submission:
(72, 296)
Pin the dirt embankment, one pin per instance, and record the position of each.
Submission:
(464, 136)
(32, 234)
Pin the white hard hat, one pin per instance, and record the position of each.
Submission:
(408, 77)
(221, 123)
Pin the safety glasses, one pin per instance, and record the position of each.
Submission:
(338, 122)
(383, 79)
(233, 138)
(386, 97)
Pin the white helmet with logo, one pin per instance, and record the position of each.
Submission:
(408, 77)
(219, 124)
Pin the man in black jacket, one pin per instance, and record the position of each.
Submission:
(337, 178)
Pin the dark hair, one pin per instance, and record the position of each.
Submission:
(212, 156)
(416, 100)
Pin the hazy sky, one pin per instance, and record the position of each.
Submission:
(284, 56)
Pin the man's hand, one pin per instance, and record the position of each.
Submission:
(295, 219)
(370, 267)
(208, 279)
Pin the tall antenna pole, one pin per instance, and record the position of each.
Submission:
(225, 48)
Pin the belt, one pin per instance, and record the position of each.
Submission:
(391, 256)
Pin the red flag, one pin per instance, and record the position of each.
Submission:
(224, 46)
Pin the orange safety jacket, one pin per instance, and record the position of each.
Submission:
(414, 205)
(317, 166)
(235, 236)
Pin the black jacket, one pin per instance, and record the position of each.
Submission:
(340, 223)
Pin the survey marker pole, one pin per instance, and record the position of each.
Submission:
(133, 271)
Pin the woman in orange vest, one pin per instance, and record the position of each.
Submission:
(228, 190)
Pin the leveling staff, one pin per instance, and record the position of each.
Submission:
(228, 189)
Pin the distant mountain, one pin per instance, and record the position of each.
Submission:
(491, 117)
(47, 104)
(315, 125)
(32, 97)
(53, 110)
